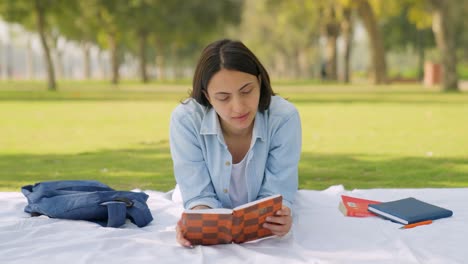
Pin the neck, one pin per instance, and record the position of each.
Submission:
(229, 132)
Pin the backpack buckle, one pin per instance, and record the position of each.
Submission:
(128, 203)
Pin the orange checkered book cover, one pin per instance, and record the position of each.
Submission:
(222, 226)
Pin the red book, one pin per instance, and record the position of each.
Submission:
(357, 207)
(220, 226)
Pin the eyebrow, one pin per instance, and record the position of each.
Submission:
(242, 87)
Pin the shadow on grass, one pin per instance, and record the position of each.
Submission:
(319, 171)
(149, 166)
(380, 98)
(313, 97)
(46, 96)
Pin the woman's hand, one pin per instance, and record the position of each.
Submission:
(281, 223)
(179, 236)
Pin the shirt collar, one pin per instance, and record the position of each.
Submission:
(211, 126)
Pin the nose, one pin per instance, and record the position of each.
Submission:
(237, 104)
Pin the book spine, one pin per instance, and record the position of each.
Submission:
(237, 228)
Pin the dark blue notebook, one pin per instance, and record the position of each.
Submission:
(409, 210)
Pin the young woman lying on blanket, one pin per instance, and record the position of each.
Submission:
(233, 140)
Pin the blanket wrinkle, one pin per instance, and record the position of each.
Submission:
(320, 234)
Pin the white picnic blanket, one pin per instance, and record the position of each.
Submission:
(320, 234)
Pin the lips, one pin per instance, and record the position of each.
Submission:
(241, 117)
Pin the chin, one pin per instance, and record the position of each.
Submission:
(244, 125)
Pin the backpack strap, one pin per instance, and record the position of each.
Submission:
(116, 213)
(118, 210)
(139, 213)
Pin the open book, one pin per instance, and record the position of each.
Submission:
(221, 226)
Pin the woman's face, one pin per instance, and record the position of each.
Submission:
(234, 96)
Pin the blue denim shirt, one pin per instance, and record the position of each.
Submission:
(202, 161)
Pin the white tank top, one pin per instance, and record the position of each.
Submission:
(238, 184)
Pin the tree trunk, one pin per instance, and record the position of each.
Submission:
(86, 60)
(29, 58)
(279, 65)
(421, 54)
(294, 64)
(379, 64)
(330, 54)
(8, 66)
(465, 53)
(114, 58)
(175, 67)
(2, 60)
(159, 61)
(60, 73)
(303, 63)
(40, 20)
(103, 64)
(443, 27)
(142, 53)
(347, 30)
(160, 74)
(332, 30)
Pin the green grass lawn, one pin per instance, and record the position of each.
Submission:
(360, 136)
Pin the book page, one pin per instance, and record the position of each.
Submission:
(256, 202)
(209, 211)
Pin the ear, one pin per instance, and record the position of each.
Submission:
(205, 93)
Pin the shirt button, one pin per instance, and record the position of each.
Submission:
(225, 190)
(227, 163)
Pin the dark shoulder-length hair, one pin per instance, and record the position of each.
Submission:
(230, 55)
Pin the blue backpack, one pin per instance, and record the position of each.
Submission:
(87, 200)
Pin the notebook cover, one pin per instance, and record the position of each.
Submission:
(411, 210)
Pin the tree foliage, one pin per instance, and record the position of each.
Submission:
(289, 36)
(34, 15)
(284, 34)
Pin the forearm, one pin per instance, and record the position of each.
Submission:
(199, 207)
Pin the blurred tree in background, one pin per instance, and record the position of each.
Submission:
(296, 39)
(284, 34)
(409, 27)
(34, 15)
(444, 22)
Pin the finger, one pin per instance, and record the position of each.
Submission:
(280, 220)
(182, 241)
(284, 211)
(273, 227)
(180, 237)
(278, 230)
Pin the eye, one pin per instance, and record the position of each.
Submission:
(247, 91)
(222, 98)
